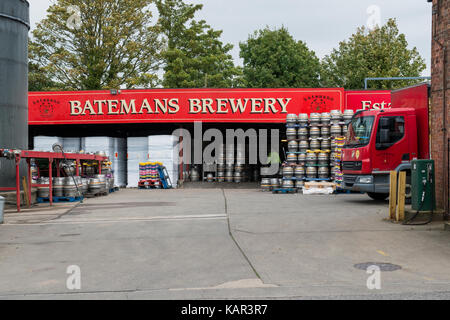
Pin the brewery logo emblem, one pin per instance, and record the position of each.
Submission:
(46, 106)
(318, 102)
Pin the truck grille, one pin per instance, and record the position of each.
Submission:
(352, 165)
(349, 181)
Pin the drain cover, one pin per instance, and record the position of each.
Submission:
(381, 265)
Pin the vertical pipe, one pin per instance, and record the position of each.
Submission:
(29, 179)
(50, 174)
(18, 183)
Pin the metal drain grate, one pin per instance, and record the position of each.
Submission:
(381, 265)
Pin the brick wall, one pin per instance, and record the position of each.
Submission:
(439, 147)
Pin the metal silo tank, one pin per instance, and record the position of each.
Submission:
(14, 27)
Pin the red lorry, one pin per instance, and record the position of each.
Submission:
(383, 140)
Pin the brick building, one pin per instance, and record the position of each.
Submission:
(440, 99)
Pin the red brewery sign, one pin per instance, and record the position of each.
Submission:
(188, 105)
(361, 99)
(180, 105)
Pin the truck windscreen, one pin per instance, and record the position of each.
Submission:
(359, 131)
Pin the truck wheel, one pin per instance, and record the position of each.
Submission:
(378, 196)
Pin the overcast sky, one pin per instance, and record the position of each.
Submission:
(319, 23)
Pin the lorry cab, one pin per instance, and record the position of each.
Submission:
(377, 142)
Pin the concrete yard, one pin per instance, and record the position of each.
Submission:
(177, 244)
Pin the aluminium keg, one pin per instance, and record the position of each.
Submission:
(239, 167)
(325, 117)
(85, 185)
(229, 175)
(265, 184)
(335, 130)
(333, 144)
(299, 184)
(325, 144)
(194, 174)
(302, 133)
(274, 183)
(43, 192)
(325, 132)
(291, 157)
(303, 146)
(292, 146)
(311, 158)
(288, 172)
(314, 132)
(58, 186)
(336, 115)
(209, 177)
(301, 158)
(348, 114)
(70, 189)
(291, 133)
(323, 172)
(291, 118)
(303, 118)
(311, 172)
(94, 185)
(238, 176)
(102, 179)
(221, 167)
(314, 144)
(220, 176)
(323, 158)
(287, 184)
(314, 118)
(299, 172)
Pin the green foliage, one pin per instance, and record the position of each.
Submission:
(382, 52)
(273, 59)
(194, 56)
(114, 46)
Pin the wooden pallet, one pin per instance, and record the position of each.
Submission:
(319, 184)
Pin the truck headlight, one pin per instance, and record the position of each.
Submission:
(368, 179)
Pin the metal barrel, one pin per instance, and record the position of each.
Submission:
(287, 184)
(291, 133)
(194, 174)
(325, 117)
(302, 133)
(14, 26)
(335, 130)
(301, 158)
(220, 176)
(238, 176)
(291, 157)
(70, 189)
(311, 172)
(314, 118)
(291, 118)
(311, 158)
(325, 132)
(229, 175)
(274, 183)
(323, 172)
(265, 184)
(210, 177)
(303, 146)
(43, 192)
(325, 144)
(314, 132)
(288, 172)
(303, 118)
(292, 146)
(314, 144)
(58, 186)
(299, 172)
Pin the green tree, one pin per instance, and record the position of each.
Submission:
(194, 56)
(88, 45)
(274, 59)
(382, 52)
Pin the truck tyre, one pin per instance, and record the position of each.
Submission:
(378, 196)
